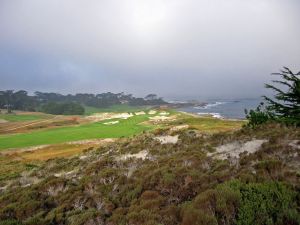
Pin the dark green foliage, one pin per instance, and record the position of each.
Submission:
(258, 116)
(284, 106)
(20, 100)
(266, 203)
(10, 222)
(70, 108)
(286, 102)
(244, 204)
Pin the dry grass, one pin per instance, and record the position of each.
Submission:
(208, 124)
(42, 153)
(54, 151)
(28, 126)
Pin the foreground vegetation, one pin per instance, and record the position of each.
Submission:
(179, 183)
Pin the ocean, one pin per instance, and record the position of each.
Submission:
(228, 109)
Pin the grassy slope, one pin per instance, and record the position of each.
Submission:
(116, 108)
(125, 128)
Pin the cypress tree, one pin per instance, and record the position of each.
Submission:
(286, 102)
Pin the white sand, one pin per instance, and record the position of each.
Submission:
(91, 141)
(152, 112)
(167, 139)
(141, 155)
(140, 113)
(111, 122)
(164, 113)
(295, 144)
(234, 149)
(106, 116)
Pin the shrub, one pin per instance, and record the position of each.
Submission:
(258, 116)
(244, 204)
(265, 203)
(10, 222)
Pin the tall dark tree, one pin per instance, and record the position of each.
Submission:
(6, 100)
(286, 102)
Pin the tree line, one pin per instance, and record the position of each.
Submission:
(56, 103)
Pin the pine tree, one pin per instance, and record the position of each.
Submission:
(286, 102)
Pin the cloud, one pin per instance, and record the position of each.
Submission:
(173, 47)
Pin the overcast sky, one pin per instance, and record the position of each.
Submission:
(175, 48)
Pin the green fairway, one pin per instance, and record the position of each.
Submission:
(124, 128)
(115, 108)
(20, 118)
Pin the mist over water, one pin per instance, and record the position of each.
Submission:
(230, 109)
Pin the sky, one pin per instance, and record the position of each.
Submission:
(174, 48)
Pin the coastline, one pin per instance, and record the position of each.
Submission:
(226, 109)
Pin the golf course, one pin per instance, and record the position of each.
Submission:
(123, 128)
(115, 122)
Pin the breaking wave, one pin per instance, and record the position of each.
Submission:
(214, 115)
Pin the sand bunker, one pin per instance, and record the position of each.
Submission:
(164, 113)
(91, 141)
(152, 112)
(111, 123)
(107, 116)
(167, 139)
(234, 149)
(140, 113)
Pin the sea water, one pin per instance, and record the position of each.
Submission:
(230, 109)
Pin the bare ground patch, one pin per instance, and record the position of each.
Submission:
(234, 149)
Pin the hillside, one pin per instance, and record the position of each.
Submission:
(166, 176)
